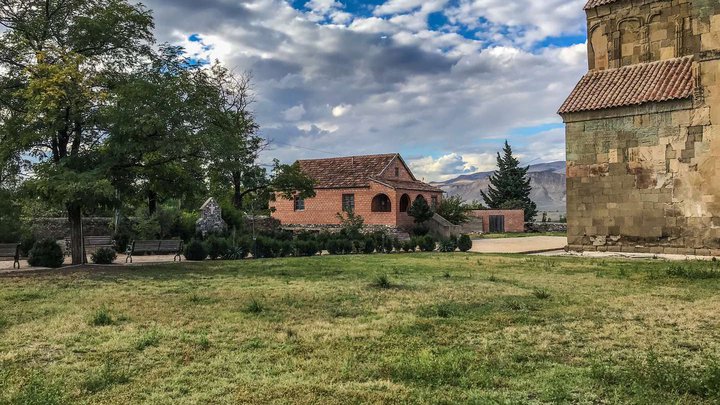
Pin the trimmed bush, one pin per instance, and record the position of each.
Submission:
(409, 246)
(196, 251)
(464, 243)
(104, 255)
(267, 248)
(286, 248)
(46, 253)
(241, 249)
(306, 248)
(397, 245)
(447, 245)
(427, 244)
(339, 246)
(217, 247)
(420, 230)
(369, 246)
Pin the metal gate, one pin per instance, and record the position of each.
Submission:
(497, 223)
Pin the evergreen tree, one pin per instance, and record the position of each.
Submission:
(420, 210)
(510, 186)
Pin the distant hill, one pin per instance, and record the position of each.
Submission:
(547, 181)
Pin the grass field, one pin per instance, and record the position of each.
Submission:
(422, 328)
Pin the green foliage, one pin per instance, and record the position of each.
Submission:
(420, 230)
(541, 293)
(382, 281)
(409, 246)
(240, 249)
(369, 246)
(474, 205)
(420, 210)
(217, 247)
(39, 390)
(196, 251)
(26, 244)
(254, 307)
(105, 377)
(46, 253)
(11, 227)
(104, 255)
(339, 246)
(267, 248)
(101, 317)
(510, 186)
(427, 243)
(448, 245)
(693, 273)
(306, 247)
(150, 338)
(351, 225)
(464, 243)
(453, 209)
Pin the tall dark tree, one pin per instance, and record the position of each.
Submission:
(58, 60)
(510, 186)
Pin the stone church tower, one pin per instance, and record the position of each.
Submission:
(643, 129)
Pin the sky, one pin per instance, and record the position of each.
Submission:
(443, 82)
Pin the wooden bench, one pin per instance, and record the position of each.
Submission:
(155, 246)
(11, 250)
(92, 243)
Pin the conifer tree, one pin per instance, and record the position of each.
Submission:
(510, 186)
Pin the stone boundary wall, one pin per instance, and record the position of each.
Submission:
(645, 249)
(59, 228)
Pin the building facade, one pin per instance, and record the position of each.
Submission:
(643, 129)
(380, 188)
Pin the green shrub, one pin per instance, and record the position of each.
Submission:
(306, 247)
(541, 293)
(369, 246)
(409, 246)
(217, 247)
(427, 244)
(196, 251)
(103, 255)
(693, 273)
(149, 338)
(26, 244)
(448, 245)
(397, 244)
(101, 317)
(267, 248)
(240, 249)
(464, 243)
(420, 230)
(339, 246)
(46, 253)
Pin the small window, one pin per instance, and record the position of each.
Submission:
(434, 201)
(299, 204)
(348, 202)
(397, 172)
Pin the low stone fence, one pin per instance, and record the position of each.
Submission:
(544, 227)
(59, 228)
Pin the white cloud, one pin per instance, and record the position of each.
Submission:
(294, 113)
(340, 110)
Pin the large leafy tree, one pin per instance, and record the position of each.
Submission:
(59, 61)
(510, 186)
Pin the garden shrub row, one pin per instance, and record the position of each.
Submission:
(308, 244)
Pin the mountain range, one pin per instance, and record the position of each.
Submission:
(547, 181)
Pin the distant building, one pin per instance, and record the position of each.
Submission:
(643, 129)
(380, 188)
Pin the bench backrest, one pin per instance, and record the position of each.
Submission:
(157, 245)
(99, 241)
(9, 249)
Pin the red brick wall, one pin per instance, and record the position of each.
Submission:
(403, 174)
(323, 209)
(514, 219)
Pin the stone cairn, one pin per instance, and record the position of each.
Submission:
(210, 219)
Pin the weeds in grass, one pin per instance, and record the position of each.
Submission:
(541, 293)
(254, 307)
(3, 323)
(148, 339)
(382, 281)
(493, 278)
(39, 390)
(108, 375)
(446, 274)
(101, 317)
(202, 342)
(668, 376)
(693, 273)
(453, 367)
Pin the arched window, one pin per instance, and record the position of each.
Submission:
(404, 203)
(381, 203)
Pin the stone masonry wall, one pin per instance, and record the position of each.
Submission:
(646, 178)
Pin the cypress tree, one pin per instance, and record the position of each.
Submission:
(510, 186)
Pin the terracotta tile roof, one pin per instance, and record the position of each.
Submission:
(595, 3)
(346, 172)
(632, 85)
(408, 185)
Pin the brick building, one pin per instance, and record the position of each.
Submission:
(380, 188)
(643, 129)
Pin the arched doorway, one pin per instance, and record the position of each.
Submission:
(381, 203)
(404, 203)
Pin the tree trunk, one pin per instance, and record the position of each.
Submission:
(238, 194)
(152, 202)
(76, 245)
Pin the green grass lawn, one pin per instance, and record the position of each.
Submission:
(420, 328)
